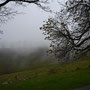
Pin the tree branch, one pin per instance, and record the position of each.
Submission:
(27, 1)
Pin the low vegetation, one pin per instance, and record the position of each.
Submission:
(54, 77)
(12, 60)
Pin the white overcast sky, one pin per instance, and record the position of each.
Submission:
(23, 29)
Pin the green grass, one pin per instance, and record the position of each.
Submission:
(64, 81)
(57, 77)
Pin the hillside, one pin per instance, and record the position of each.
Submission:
(55, 77)
(12, 61)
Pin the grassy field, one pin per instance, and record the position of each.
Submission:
(56, 77)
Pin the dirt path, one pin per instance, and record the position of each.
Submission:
(84, 88)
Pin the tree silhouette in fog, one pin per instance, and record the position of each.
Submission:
(69, 30)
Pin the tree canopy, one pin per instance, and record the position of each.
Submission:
(69, 30)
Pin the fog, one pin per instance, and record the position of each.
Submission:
(23, 30)
(22, 44)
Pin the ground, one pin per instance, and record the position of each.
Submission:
(56, 77)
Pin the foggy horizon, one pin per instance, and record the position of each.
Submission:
(23, 30)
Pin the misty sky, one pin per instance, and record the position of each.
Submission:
(23, 29)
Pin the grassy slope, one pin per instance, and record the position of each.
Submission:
(65, 77)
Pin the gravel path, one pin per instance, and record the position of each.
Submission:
(84, 88)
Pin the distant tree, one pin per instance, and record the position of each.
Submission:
(69, 30)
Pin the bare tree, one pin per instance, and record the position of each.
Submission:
(4, 2)
(69, 30)
(7, 12)
(37, 2)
